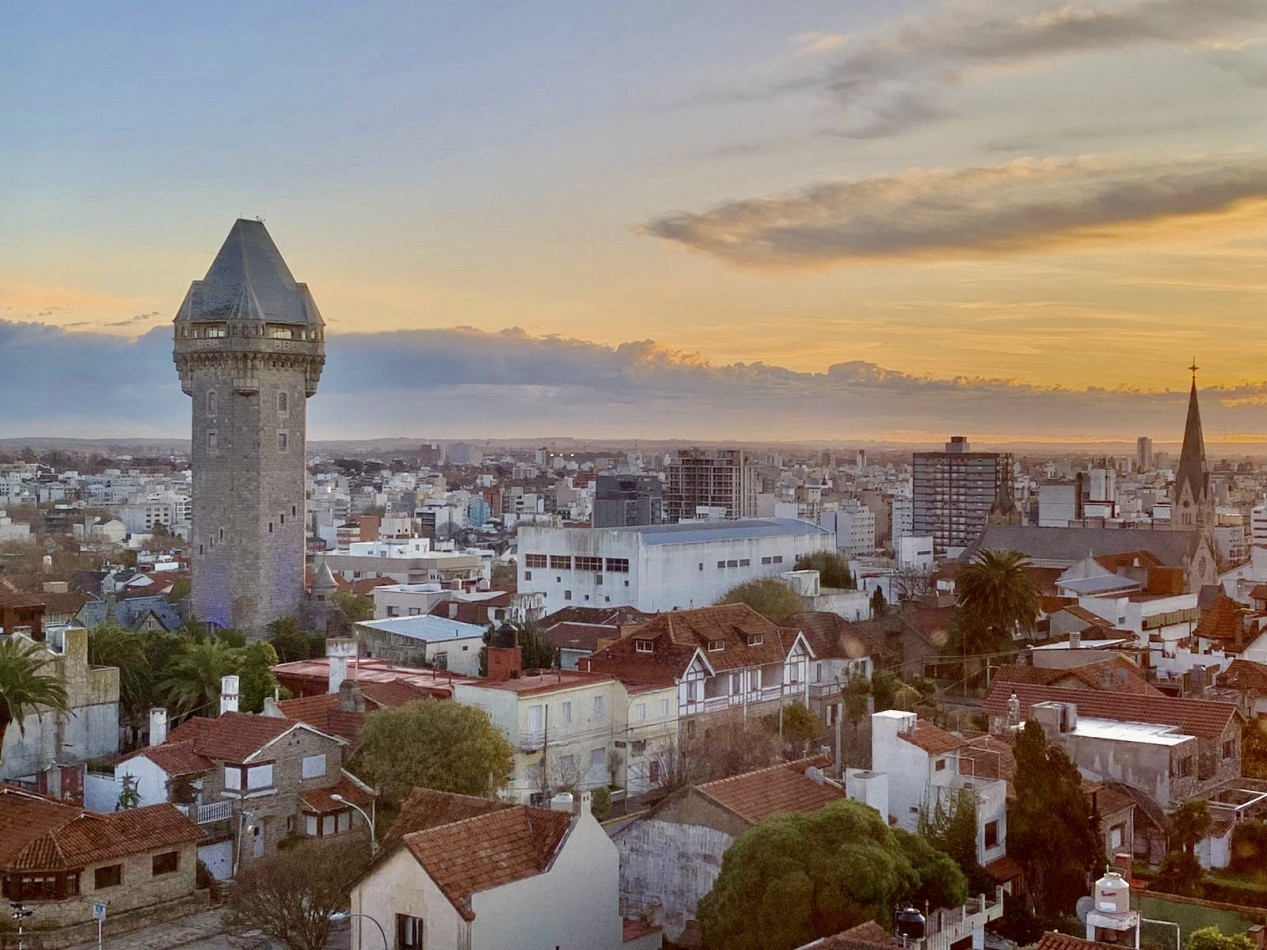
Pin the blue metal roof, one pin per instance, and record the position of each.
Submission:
(427, 627)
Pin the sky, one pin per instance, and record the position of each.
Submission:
(882, 219)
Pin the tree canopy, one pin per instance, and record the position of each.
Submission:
(793, 878)
(997, 597)
(833, 569)
(768, 596)
(1052, 829)
(434, 744)
(26, 682)
(1211, 938)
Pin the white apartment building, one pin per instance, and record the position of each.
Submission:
(660, 567)
(169, 509)
(412, 561)
(853, 525)
(903, 517)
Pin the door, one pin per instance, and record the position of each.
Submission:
(257, 838)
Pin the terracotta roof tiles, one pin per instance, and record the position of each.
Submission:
(1057, 941)
(778, 790)
(174, 758)
(932, 738)
(1223, 621)
(320, 800)
(489, 850)
(232, 737)
(427, 808)
(1196, 717)
(865, 936)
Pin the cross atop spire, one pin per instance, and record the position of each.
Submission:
(1193, 368)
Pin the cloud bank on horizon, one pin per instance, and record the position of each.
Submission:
(463, 382)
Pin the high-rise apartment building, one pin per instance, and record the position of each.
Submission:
(622, 501)
(249, 346)
(710, 478)
(1144, 454)
(954, 491)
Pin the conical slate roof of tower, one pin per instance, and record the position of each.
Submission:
(248, 280)
(1192, 468)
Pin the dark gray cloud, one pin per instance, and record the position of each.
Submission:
(461, 382)
(898, 76)
(1013, 207)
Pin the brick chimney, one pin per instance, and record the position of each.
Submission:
(505, 657)
(338, 652)
(351, 699)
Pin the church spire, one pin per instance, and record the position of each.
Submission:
(1192, 477)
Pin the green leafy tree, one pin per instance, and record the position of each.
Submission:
(538, 653)
(28, 682)
(1179, 873)
(110, 645)
(997, 597)
(1052, 829)
(191, 678)
(768, 596)
(290, 896)
(601, 801)
(856, 695)
(356, 607)
(129, 796)
(434, 744)
(833, 569)
(799, 724)
(1211, 938)
(179, 591)
(1254, 749)
(1189, 823)
(892, 693)
(879, 606)
(254, 664)
(291, 641)
(941, 882)
(1249, 849)
(793, 878)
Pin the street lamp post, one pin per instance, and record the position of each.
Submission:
(20, 913)
(368, 821)
(341, 915)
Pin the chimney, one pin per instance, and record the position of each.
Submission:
(1014, 710)
(505, 657)
(351, 698)
(158, 725)
(228, 694)
(1122, 864)
(1075, 640)
(338, 652)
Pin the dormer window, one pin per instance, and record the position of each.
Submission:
(716, 646)
(644, 646)
(755, 639)
(280, 333)
(217, 331)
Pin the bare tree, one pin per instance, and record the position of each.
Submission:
(910, 583)
(291, 895)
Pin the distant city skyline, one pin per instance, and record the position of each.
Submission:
(881, 220)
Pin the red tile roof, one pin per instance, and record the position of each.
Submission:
(1057, 941)
(487, 851)
(1117, 674)
(1246, 674)
(232, 737)
(1005, 869)
(932, 738)
(174, 758)
(1223, 621)
(39, 834)
(988, 757)
(319, 800)
(427, 808)
(1136, 559)
(581, 636)
(676, 636)
(777, 790)
(831, 636)
(324, 713)
(1259, 592)
(865, 936)
(1196, 717)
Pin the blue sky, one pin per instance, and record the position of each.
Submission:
(1039, 193)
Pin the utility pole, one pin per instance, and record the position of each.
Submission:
(20, 913)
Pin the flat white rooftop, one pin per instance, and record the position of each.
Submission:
(1143, 732)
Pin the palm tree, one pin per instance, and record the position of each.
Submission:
(191, 681)
(110, 645)
(25, 685)
(997, 598)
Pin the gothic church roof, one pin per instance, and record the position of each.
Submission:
(1192, 471)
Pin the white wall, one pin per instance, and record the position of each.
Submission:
(151, 780)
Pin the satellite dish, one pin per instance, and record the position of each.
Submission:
(1084, 906)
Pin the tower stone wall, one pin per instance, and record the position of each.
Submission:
(249, 346)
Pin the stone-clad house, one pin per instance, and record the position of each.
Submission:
(59, 858)
(252, 781)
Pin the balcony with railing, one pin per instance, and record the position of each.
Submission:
(208, 814)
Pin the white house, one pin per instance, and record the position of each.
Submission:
(510, 877)
(660, 567)
(423, 640)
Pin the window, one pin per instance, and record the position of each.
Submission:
(991, 834)
(744, 562)
(598, 579)
(589, 563)
(1116, 836)
(598, 707)
(716, 646)
(310, 825)
(282, 441)
(664, 707)
(721, 565)
(565, 712)
(567, 765)
(653, 772)
(598, 759)
(211, 440)
(777, 559)
(940, 765)
(441, 660)
(259, 776)
(408, 932)
(527, 575)
(767, 560)
(638, 747)
(1229, 748)
(314, 766)
(329, 825)
(283, 402)
(618, 565)
(535, 560)
(560, 562)
(1185, 767)
(701, 565)
(567, 595)
(109, 876)
(233, 777)
(345, 820)
(644, 646)
(755, 639)
(211, 402)
(732, 563)
(640, 712)
(166, 863)
(534, 720)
